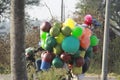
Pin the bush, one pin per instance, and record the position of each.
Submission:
(31, 40)
(114, 55)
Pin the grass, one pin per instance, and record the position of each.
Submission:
(4, 69)
(56, 74)
(117, 76)
(51, 74)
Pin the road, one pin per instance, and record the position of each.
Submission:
(7, 77)
(97, 78)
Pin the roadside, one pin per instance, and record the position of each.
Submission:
(4, 76)
(87, 77)
(97, 78)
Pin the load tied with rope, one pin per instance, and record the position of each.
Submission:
(68, 44)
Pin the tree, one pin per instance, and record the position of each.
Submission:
(97, 8)
(89, 7)
(115, 15)
(5, 5)
(17, 33)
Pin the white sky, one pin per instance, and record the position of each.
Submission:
(42, 13)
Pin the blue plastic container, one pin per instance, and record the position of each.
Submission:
(45, 65)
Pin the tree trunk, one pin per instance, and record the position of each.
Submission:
(17, 34)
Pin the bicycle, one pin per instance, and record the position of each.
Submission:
(32, 68)
(31, 64)
(30, 54)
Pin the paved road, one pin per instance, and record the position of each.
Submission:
(97, 78)
(87, 77)
(7, 77)
(4, 77)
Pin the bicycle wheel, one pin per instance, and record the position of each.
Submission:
(31, 70)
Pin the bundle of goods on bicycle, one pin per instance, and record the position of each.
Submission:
(30, 54)
(68, 43)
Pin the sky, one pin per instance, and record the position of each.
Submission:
(42, 12)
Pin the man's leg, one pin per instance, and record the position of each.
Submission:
(38, 64)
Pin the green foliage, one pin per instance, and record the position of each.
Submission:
(84, 7)
(88, 7)
(114, 55)
(31, 72)
(52, 74)
(4, 5)
(113, 59)
(4, 69)
(95, 64)
(32, 2)
(115, 17)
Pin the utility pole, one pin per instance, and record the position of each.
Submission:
(105, 43)
(62, 11)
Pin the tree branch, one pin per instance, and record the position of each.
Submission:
(49, 10)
